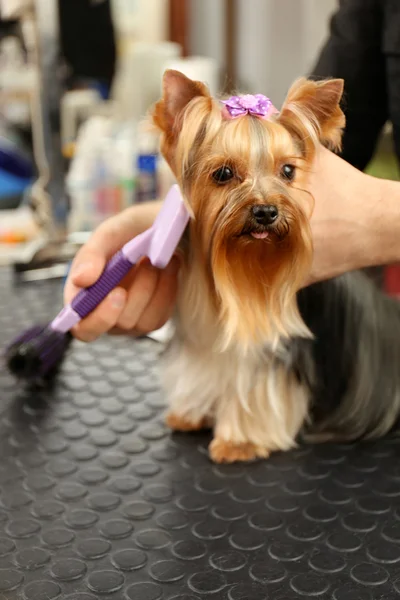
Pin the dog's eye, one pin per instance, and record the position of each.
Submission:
(223, 175)
(288, 172)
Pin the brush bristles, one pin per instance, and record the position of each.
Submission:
(36, 353)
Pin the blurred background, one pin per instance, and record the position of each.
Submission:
(77, 78)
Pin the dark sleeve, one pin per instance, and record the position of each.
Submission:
(87, 38)
(354, 52)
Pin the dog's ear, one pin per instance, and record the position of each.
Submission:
(178, 91)
(312, 109)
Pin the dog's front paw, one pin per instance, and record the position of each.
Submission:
(222, 451)
(179, 423)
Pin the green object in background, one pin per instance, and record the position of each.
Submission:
(384, 163)
(128, 187)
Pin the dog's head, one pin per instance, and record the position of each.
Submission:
(245, 178)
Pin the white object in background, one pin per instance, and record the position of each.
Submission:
(17, 80)
(80, 217)
(11, 54)
(200, 68)
(316, 24)
(164, 334)
(11, 253)
(140, 20)
(207, 29)
(137, 82)
(278, 41)
(15, 75)
(13, 9)
(19, 222)
(76, 106)
(123, 158)
(80, 178)
(102, 174)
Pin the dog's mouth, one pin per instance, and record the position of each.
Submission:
(259, 235)
(257, 232)
(275, 232)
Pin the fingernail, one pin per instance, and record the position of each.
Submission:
(117, 298)
(79, 269)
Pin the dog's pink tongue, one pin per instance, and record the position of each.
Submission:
(259, 236)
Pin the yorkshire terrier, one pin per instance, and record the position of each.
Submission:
(256, 356)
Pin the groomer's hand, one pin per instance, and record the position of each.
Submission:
(145, 298)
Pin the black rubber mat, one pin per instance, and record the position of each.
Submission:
(98, 500)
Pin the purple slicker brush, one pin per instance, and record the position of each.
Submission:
(38, 351)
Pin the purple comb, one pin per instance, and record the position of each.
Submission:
(35, 352)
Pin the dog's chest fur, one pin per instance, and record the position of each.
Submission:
(203, 380)
(345, 384)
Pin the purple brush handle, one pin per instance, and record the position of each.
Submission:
(117, 267)
(157, 243)
(87, 299)
(115, 270)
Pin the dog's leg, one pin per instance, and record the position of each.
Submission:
(189, 389)
(237, 435)
(223, 451)
(178, 422)
(269, 421)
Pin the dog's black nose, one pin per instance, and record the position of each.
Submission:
(265, 214)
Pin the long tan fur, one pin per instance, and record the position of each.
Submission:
(237, 297)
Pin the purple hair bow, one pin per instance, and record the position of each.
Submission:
(257, 105)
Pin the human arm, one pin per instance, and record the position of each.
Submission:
(356, 218)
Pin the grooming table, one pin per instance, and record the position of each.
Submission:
(99, 501)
